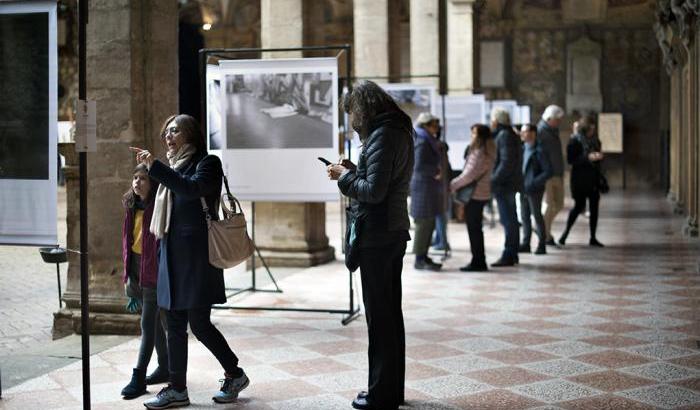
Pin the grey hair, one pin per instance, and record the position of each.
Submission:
(500, 115)
(553, 112)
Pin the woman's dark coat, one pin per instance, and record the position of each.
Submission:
(585, 175)
(426, 191)
(186, 280)
(380, 184)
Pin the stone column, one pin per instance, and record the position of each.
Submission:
(460, 47)
(281, 25)
(425, 43)
(289, 234)
(132, 75)
(371, 38)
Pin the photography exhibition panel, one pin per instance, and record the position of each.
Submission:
(28, 123)
(269, 120)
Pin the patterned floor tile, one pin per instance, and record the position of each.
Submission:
(663, 396)
(619, 314)
(612, 359)
(448, 386)
(490, 330)
(657, 321)
(562, 367)
(605, 402)
(568, 348)
(494, 400)
(578, 320)
(615, 327)
(431, 351)
(285, 354)
(339, 347)
(611, 381)
(417, 371)
(657, 336)
(660, 351)
(479, 344)
(506, 376)
(536, 324)
(517, 356)
(619, 302)
(281, 390)
(526, 339)
(613, 341)
(338, 382)
(688, 361)
(312, 367)
(543, 312)
(692, 384)
(464, 363)
(321, 402)
(662, 371)
(554, 391)
(572, 333)
(442, 335)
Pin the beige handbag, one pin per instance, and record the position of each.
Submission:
(229, 243)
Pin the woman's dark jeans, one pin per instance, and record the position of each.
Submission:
(474, 214)
(200, 323)
(152, 332)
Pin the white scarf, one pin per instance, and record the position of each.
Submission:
(163, 205)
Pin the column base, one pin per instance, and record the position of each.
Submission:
(690, 228)
(68, 321)
(301, 259)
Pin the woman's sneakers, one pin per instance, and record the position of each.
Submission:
(167, 398)
(137, 385)
(159, 375)
(230, 387)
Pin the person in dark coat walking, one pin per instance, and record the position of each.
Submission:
(427, 190)
(378, 188)
(584, 153)
(506, 181)
(188, 285)
(536, 171)
(548, 137)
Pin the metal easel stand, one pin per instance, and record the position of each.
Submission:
(353, 311)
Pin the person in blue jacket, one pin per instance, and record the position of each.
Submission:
(188, 285)
(536, 171)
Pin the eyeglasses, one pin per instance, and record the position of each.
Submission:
(172, 131)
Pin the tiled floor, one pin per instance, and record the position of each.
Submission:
(581, 328)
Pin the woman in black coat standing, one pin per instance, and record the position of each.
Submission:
(188, 284)
(378, 187)
(584, 153)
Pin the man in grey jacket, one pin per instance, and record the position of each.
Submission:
(548, 135)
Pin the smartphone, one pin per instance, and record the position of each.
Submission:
(325, 161)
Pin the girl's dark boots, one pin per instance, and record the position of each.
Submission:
(137, 385)
(159, 375)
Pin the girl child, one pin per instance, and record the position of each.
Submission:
(139, 251)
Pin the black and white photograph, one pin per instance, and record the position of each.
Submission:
(279, 110)
(413, 99)
(29, 159)
(216, 141)
(24, 108)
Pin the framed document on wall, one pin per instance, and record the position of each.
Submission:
(610, 132)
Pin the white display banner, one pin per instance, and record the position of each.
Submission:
(277, 117)
(28, 123)
(461, 112)
(509, 105)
